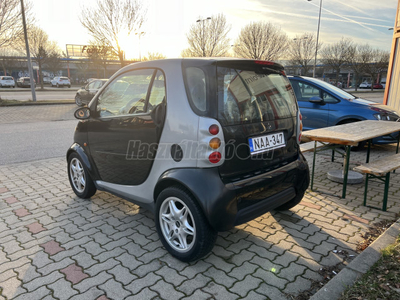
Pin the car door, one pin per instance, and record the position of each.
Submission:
(124, 133)
(85, 94)
(315, 115)
(94, 88)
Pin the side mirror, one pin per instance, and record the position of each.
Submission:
(82, 113)
(316, 100)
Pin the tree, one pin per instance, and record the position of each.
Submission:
(54, 63)
(208, 38)
(337, 55)
(153, 56)
(40, 47)
(10, 21)
(112, 21)
(359, 59)
(301, 51)
(8, 60)
(98, 56)
(261, 40)
(378, 62)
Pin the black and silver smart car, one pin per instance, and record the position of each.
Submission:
(205, 144)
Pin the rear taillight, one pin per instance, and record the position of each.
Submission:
(214, 129)
(215, 143)
(299, 127)
(215, 157)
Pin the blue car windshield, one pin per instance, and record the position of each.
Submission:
(333, 89)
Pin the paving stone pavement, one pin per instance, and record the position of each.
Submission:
(54, 245)
(37, 113)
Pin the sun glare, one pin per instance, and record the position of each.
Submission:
(129, 43)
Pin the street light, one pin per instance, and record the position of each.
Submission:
(140, 34)
(316, 47)
(202, 34)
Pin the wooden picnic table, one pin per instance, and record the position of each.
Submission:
(348, 135)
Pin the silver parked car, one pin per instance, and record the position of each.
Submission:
(204, 144)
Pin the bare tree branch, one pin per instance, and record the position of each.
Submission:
(208, 38)
(113, 20)
(337, 55)
(261, 40)
(301, 51)
(11, 21)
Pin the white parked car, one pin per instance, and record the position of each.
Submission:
(7, 81)
(61, 81)
(365, 85)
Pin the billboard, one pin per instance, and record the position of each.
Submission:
(83, 51)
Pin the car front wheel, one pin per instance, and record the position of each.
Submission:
(182, 226)
(79, 178)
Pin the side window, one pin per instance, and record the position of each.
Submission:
(90, 86)
(96, 84)
(329, 98)
(196, 81)
(307, 91)
(126, 94)
(157, 93)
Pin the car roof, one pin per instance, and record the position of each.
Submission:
(168, 61)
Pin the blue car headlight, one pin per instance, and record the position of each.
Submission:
(386, 116)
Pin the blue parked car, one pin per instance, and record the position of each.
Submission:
(322, 104)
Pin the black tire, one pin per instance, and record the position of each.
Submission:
(197, 244)
(78, 100)
(58, 85)
(69, 86)
(85, 190)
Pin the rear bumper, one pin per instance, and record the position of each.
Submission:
(228, 204)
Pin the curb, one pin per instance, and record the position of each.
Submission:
(30, 103)
(359, 266)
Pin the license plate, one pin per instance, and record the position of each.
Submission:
(267, 142)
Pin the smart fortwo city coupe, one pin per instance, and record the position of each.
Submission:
(205, 144)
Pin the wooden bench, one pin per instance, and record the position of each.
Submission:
(306, 147)
(379, 169)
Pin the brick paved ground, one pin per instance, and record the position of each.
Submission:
(37, 113)
(54, 245)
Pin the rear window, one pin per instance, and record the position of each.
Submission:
(64, 78)
(27, 80)
(250, 96)
(7, 78)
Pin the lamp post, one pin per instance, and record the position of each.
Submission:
(202, 34)
(316, 47)
(28, 54)
(139, 34)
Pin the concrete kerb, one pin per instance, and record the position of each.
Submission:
(359, 266)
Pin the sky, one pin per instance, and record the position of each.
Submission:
(168, 21)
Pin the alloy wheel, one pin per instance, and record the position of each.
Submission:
(177, 224)
(77, 174)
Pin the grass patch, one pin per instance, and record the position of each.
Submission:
(382, 281)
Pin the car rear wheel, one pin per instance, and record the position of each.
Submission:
(58, 85)
(78, 100)
(79, 178)
(182, 226)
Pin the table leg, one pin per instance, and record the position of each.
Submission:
(313, 165)
(386, 192)
(369, 150)
(346, 170)
(398, 141)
